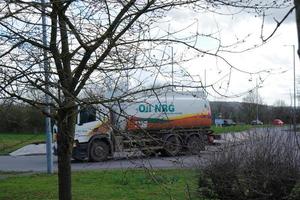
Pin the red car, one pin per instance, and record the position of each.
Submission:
(277, 122)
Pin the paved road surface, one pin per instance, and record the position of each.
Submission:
(38, 163)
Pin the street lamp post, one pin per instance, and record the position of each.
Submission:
(294, 76)
(47, 99)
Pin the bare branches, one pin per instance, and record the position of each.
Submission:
(88, 39)
(297, 8)
(278, 24)
(113, 51)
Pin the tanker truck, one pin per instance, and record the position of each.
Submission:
(168, 125)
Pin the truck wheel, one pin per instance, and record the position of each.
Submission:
(172, 146)
(195, 144)
(99, 151)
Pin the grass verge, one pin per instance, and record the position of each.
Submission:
(231, 129)
(12, 141)
(108, 185)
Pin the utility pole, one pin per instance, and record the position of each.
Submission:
(294, 76)
(294, 113)
(47, 99)
(256, 102)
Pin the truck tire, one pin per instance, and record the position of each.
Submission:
(172, 146)
(99, 151)
(195, 144)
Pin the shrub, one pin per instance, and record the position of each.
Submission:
(265, 167)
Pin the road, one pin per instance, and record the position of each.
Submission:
(38, 163)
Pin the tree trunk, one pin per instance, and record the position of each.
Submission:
(297, 8)
(66, 129)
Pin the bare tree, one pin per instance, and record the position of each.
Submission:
(96, 46)
(251, 106)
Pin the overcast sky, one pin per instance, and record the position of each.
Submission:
(274, 59)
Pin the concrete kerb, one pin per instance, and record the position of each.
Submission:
(31, 149)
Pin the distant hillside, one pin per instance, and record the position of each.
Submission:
(246, 112)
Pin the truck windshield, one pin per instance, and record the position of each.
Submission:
(87, 114)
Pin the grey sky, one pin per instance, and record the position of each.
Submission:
(273, 56)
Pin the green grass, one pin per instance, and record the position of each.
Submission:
(230, 129)
(12, 141)
(107, 185)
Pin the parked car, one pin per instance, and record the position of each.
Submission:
(229, 122)
(224, 122)
(256, 122)
(277, 122)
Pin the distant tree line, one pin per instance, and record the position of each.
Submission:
(243, 112)
(20, 118)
